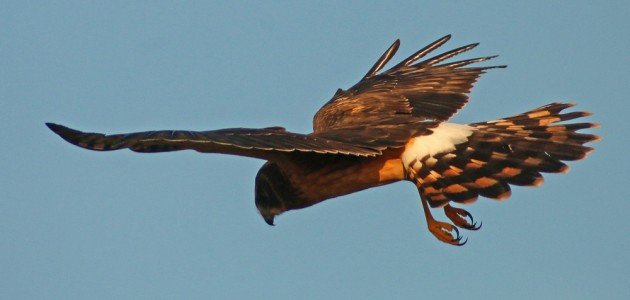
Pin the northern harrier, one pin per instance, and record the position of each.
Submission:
(390, 126)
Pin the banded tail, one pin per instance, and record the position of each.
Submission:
(495, 154)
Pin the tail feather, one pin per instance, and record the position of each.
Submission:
(513, 150)
(541, 116)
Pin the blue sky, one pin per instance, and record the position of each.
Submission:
(81, 224)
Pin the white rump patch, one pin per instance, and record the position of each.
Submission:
(443, 139)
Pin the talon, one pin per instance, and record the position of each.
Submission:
(441, 230)
(458, 217)
(445, 232)
(458, 237)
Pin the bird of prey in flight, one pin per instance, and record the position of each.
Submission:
(390, 126)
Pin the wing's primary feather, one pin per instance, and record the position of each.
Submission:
(382, 61)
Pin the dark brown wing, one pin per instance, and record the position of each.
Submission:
(259, 143)
(407, 93)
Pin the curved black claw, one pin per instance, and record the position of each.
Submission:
(446, 233)
(459, 217)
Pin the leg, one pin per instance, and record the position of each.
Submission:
(441, 230)
(459, 217)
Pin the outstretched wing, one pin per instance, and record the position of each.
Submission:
(259, 143)
(407, 93)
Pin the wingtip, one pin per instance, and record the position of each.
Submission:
(467, 47)
(68, 134)
(394, 48)
(54, 127)
(483, 69)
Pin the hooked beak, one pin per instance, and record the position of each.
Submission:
(269, 220)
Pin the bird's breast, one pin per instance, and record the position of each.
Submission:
(342, 178)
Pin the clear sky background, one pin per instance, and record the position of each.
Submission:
(123, 225)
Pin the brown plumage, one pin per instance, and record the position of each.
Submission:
(388, 127)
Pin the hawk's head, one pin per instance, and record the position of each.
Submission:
(274, 192)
